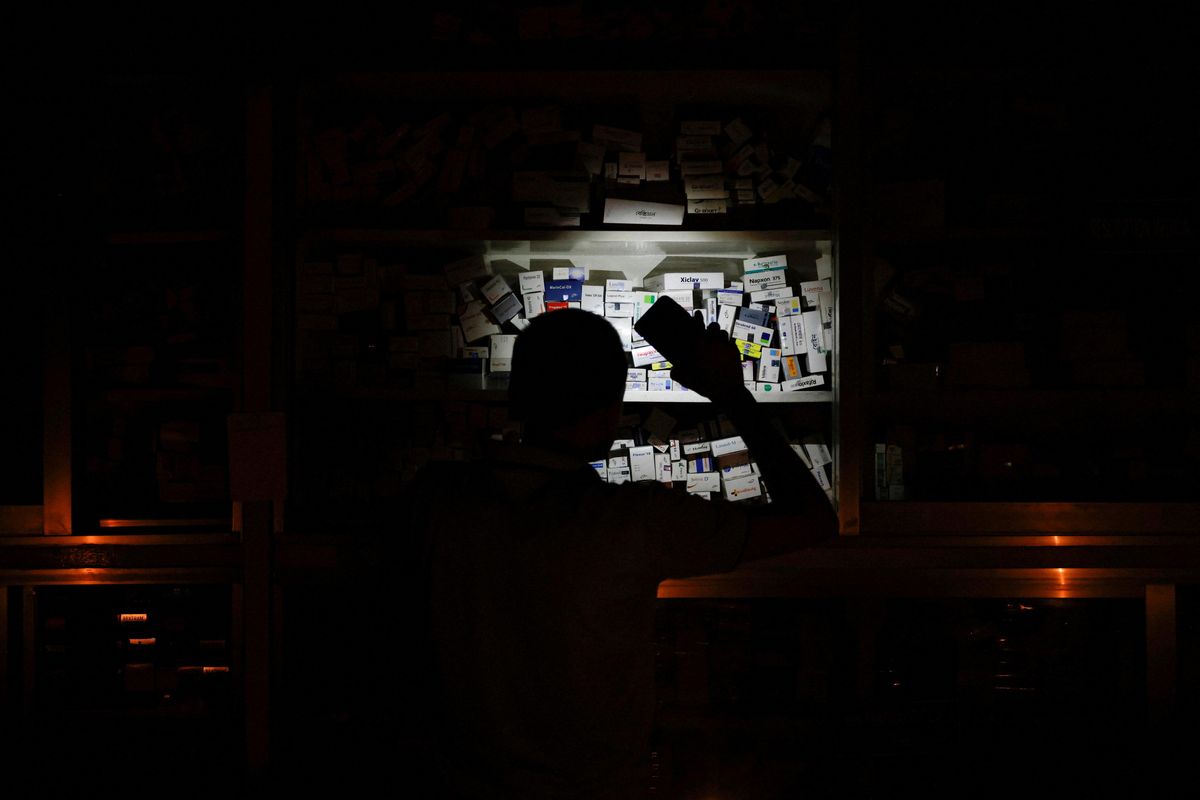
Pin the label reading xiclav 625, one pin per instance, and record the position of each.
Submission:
(672, 281)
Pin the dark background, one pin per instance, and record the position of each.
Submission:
(965, 696)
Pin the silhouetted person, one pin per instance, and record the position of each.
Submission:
(542, 578)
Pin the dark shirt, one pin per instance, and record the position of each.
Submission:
(542, 587)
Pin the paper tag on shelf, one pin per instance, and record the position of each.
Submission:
(638, 212)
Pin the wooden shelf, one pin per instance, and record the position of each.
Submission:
(184, 558)
(875, 566)
(969, 235)
(956, 518)
(1063, 406)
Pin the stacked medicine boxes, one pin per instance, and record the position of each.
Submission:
(782, 329)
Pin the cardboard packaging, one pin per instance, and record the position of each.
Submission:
(662, 467)
(508, 307)
(760, 280)
(495, 289)
(764, 262)
(532, 282)
(618, 469)
(798, 384)
(641, 463)
(564, 291)
(733, 473)
(730, 297)
(591, 298)
(748, 332)
(755, 316)
(769, 365)
(743, 488)
(501, 352)
(724, 447)
(571, 273)
(703, 482)
(534, 304)
(708, 206)
(771, 295)
(659, 383)
(748, 349)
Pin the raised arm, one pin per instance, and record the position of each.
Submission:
(800, 514)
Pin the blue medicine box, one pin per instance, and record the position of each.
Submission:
(564, 291)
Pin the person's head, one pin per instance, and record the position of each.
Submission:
(567, 381)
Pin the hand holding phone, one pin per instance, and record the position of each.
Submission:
(702, 359)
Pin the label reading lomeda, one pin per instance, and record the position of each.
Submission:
(810, 382)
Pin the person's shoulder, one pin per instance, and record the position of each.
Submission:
(637, 492)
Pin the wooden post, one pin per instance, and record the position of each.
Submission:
(4, 638)
(850, 282)
(256, 633)
(257, 326)
(1161, 653)
(56, 424)
(28, 650)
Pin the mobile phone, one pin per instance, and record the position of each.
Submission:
(671, 330)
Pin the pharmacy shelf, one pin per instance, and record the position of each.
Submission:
(761, 397)
(611, 242)
(1029, 406)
